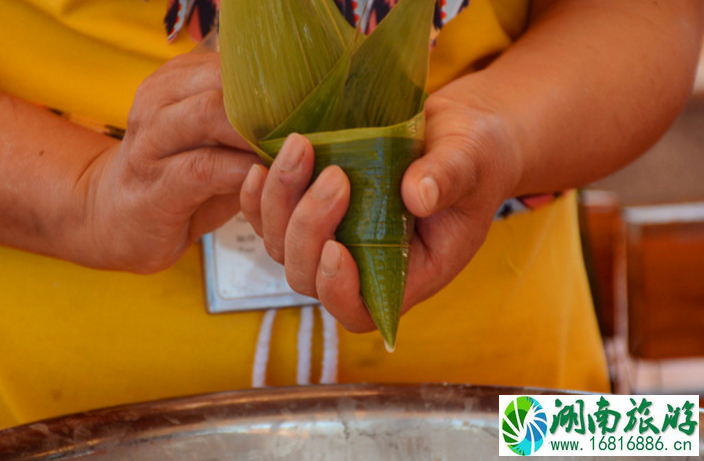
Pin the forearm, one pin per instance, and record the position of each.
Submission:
(43, 187)
(590, 86)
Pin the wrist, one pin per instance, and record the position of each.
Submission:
(78, 229)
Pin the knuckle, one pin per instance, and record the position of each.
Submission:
(274, 248)
(142, 109)
(139, 153)
(250, 208)
(205, 112)
(300, 281)
(304, 227)
(208, 103)
(202, 167)
(144, 88)
(301, 225)
(251, 214)
(134, 121)
(135, 118)
(212, 68)
(142, 170)
(456, 170)
(134, 165)
(437, 103)
(256, 225)
(301, 276)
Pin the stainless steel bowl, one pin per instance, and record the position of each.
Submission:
(346, 422)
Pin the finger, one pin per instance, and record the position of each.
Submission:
(196, 74)
(212, 214)
(191, 178)
(337, 284)
(312, 223)
(442, 246)
(180, 77)
(197, 121)
(438, 179)
(251, 196)
(285, 184)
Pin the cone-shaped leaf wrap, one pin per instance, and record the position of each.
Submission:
(297, 66)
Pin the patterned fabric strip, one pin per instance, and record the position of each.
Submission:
(200, 16)
(368, 13)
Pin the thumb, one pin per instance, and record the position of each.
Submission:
(440, 178)
(191, 178)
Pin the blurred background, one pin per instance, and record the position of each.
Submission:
(643, 234)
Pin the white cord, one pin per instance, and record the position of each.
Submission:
(261, 355)
(305, 346)
(330, 348)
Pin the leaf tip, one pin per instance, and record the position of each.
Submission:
(390, 348)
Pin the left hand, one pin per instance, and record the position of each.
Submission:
(174, 177)
(469, 168)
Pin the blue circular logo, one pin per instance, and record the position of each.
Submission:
(524, 425)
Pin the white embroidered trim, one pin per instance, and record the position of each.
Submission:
(330, 348)
(330, 361)
(304, 346)
(261, 355)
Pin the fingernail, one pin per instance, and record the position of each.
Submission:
(253, 181)
(291, 153)
(330, 259)
(326, 186)
(429, 192)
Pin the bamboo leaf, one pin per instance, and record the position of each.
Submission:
(387, 78)
(273, 54)
(359, 100)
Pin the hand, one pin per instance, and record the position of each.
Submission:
(175, 176)
(469, 168)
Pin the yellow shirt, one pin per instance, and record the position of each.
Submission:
(73, 338)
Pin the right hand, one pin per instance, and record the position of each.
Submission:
(174, 177)
(472, 164)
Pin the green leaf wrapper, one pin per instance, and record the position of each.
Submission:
(297, 66)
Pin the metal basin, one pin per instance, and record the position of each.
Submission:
(350, 422)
